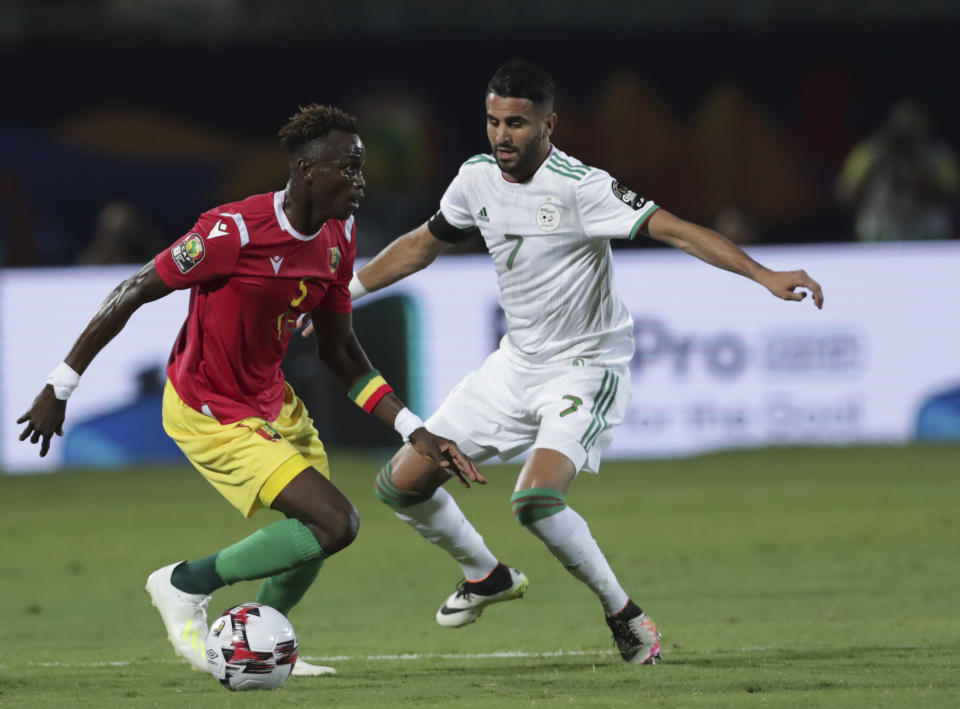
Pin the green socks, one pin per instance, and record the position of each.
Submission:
(276, 548)
(284, 554)
(197, 576)
(284, 590)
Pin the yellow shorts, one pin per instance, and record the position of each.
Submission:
(249, 462)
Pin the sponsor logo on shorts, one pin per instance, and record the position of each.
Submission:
(188, 253)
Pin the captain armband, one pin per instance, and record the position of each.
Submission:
(369, 390)
(445, 231)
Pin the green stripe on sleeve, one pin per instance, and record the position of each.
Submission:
(479, 158)
(550, 166)
(561, 162)
(641, 221)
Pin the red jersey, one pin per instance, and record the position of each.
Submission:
(251, 275)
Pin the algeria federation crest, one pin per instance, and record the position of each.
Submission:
(333, 258)
(548, 216)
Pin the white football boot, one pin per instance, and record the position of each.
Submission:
(466, 605)
(635, 635)
(302, 668)
(184, 616)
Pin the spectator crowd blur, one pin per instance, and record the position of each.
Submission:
(114, 151)
(900, 183)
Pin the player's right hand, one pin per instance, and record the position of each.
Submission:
(447, 455)
(784, 284)
(44, 419)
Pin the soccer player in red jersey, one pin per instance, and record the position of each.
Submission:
(253, 268)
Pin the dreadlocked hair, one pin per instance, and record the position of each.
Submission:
(312, 122)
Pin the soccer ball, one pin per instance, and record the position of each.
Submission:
(251, 646)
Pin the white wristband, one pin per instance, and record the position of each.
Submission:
(407, 422)
(63, 380)
(356, 288)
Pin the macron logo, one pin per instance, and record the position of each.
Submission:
(275, 261)
(218, 230)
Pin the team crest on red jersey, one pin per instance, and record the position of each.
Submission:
(188, 253)
(333, 258)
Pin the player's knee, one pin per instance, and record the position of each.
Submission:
(338, 528)
(389, 494)
(537, 503)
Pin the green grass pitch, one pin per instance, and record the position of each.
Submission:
(793, 577)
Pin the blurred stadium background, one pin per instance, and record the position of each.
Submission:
(122, 120)
(789, 575)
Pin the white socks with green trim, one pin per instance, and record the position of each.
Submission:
(568, 538)
(441, 521)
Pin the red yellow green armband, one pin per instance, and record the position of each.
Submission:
(369, 390)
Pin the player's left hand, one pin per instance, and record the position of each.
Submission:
(784, 284)
(447, 455)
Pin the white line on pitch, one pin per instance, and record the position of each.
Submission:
(502, 654)
(498, 655)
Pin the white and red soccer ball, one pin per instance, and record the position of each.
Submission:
(251, 646)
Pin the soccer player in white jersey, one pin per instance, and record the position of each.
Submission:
(560, 381)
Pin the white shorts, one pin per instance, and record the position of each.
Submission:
(502, 410)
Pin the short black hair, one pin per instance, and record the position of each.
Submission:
(312, 122)
(523, 79)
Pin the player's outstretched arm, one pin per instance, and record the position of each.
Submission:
(45, 417)
(338, 347)
(406, 254)
(715, 249)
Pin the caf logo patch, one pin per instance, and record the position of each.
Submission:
(627, 195)
(188, 253)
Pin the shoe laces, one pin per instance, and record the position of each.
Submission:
(201, 606)
(463, 589)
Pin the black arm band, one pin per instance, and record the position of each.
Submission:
(445, 231)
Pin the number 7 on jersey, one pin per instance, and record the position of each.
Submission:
(516, 248)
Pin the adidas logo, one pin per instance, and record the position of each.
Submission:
(482, 215)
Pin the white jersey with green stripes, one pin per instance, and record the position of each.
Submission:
(549, 240)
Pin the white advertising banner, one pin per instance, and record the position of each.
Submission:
(720, 362)
(42, 311)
